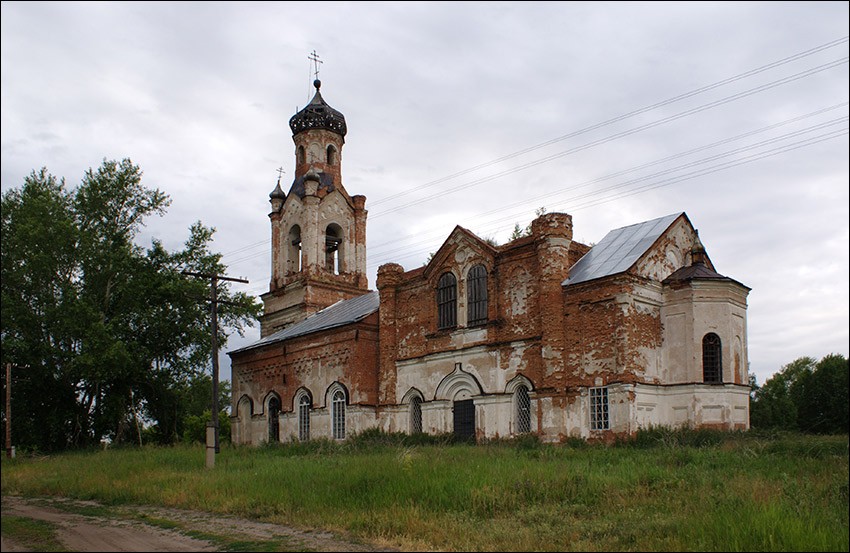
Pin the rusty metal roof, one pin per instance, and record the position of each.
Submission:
(619, 250)
(339, 314)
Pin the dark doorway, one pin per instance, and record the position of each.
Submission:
(464, 420)
(274, 421)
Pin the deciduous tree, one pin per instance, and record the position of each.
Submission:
(104, 333)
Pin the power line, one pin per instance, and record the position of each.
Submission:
(685, 113)
(654, 185)
(668, 101)
(664, 160)
(622, 134)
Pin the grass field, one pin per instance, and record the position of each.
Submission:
(664, 491)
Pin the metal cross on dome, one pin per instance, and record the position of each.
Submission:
(314, 57)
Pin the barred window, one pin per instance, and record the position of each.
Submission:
(304, 418)
(476, 292)
(712, 361)
(599, 409)
(415, 415)
(523, 410)
(447, 301)
(338, 415)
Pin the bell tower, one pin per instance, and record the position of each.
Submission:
(318, 230)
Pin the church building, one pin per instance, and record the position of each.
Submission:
(541, 335)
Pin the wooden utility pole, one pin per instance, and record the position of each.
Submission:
(8, 410)
(214, 323)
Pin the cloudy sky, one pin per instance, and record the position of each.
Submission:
(474, 114)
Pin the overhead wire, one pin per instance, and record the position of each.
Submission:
(685, 113)
(619, 118)
(753, 157)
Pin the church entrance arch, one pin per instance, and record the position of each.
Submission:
(460, 387)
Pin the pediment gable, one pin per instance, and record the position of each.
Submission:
(462, 249)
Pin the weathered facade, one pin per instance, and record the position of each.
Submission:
(542, 334)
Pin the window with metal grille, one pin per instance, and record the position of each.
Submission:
(476, 296)
(338, 415)
(712, 361)
(304, 418)
(523, 410)
(599, 409)
(447, 301)
(415, 415)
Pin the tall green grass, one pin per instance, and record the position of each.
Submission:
(663, 490)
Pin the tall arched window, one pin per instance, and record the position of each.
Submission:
(294, 255)
(476, 296)
(338, 415)
(523, 410)
(331, 155)
(304, 405)
(447, 301)
(333, 249)
(712, 360)
(300, 155)
(415, 415)
(274, 419)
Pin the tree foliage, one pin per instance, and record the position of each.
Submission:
(103, 333)
(806, 395)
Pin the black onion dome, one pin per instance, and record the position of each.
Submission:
(277, 192)
(318, 115)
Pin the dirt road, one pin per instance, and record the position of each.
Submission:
(89, 526)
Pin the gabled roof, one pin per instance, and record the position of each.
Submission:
(339, 314)
(619, 250)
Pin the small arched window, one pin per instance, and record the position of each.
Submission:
(300, 155)
(274, 419)
(415, 415)
(331, 155)
(304, 405)
(712, 360)
(447, 301)
(338, 415)
(523, 410)
(476, 296)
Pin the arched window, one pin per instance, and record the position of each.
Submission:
(712, 360)
(331, 155)
(294, 257)
(476, 296)
(333, 249)
(274, 419)
(447, 301)
(304, 405)
(338, 415)
(523, 410)
(301, 155)
(415, 415)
